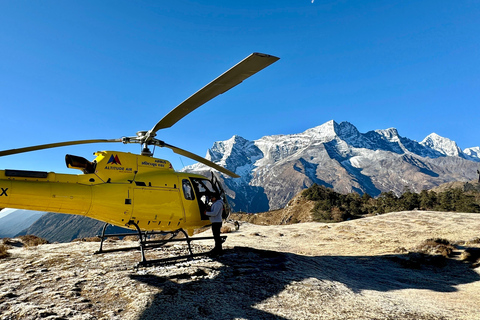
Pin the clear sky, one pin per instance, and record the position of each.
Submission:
(73, 70)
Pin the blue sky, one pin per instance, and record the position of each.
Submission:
(72, 70)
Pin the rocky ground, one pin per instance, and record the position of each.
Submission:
(371, 268)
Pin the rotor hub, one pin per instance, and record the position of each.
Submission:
(141, 134)
(146, 152)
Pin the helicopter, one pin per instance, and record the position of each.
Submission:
(133, 191)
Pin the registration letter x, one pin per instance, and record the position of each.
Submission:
(4, 192)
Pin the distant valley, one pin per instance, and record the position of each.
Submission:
(13, 221)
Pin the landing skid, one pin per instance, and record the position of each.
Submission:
(146, 244)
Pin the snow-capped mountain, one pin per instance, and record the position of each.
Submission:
(472, 153)
(274, 168)
(443, 145)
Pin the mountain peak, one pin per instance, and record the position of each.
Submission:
(331, 130)
(326, 131)
(350, 134)
(473, 153)
(220, 149)
(441, 144)
(391, 134)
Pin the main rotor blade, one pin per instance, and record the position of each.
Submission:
(200, 159)
(241, 71)
(55, 145)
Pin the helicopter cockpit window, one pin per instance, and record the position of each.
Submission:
(188, 190)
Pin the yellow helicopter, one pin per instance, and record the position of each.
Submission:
(128, 190)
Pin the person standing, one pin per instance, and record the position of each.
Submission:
(215, 216)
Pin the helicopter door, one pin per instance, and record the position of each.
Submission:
(223, 195)
(190, 204)
(158, 208)
(203, 190)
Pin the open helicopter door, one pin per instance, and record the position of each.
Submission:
(203, 190)
(219, 188)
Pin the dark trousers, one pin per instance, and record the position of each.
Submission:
(216, 226)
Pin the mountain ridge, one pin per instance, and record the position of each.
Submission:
(275, 168)
(13, 221)
(58, 227)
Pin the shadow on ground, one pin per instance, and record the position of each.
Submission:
(249, 276)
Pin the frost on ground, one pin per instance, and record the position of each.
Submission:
(370, 268)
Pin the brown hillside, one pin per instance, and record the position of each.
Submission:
(297, 210)
(473, 185)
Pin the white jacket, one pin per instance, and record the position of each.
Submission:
(215, 213)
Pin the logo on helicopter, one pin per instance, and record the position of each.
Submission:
(115, 164)
(114, 160)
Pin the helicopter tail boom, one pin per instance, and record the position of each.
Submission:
(42, 191)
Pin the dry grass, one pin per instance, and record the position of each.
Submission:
(130, 238)
(3, 251)
(32, 241)
(436, 246)
(472, 255)
(416, 260)
(473, 241)
(226, 229)
(88, 239)
(7, 241)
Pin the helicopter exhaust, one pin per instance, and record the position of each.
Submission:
(80, 163)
